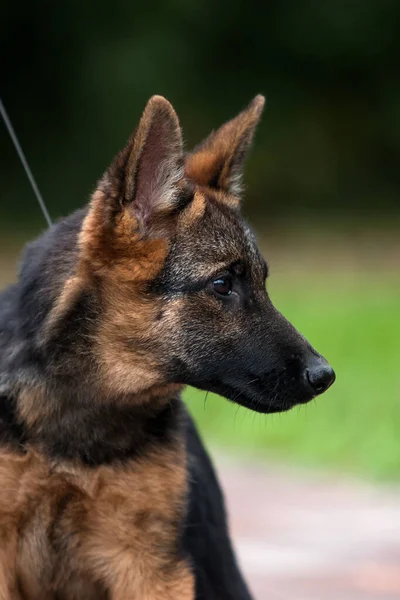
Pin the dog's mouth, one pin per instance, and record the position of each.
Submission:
(277, 392)
(264, 397)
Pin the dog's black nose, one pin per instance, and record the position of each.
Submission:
(320, 375)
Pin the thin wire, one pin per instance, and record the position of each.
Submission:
(24, 163)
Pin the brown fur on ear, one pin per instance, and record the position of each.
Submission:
(138, 192)
(218, 161)
(146, 171)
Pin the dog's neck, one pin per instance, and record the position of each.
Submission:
(66, 427)
(51, 396)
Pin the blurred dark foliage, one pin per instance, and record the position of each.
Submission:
(76, 75)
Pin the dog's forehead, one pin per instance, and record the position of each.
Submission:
(215, 240)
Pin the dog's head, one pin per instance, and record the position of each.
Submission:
(178, 277)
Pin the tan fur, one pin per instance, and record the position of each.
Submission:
(117, 247)
(126, 369)
(94, 524)
(33, 406)
(194, 211)
(200, 166)
(8, 555)
(218, 161)
(224, 198)
(70, 292)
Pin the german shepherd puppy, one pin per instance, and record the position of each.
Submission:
(106, 491)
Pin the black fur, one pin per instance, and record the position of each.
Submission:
(12, 433)
(206, 537)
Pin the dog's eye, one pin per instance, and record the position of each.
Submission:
(223, 286)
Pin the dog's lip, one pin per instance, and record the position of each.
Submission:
(261, 405)
(255, 399)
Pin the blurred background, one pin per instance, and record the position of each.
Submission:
(323, 192)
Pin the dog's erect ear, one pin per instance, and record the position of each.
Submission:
(218, 161)
(131, 213)
(144, 175)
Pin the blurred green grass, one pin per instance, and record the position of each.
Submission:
(354, 320)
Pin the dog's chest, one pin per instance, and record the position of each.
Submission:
(69, 528)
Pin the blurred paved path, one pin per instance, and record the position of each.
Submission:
(302, 536)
